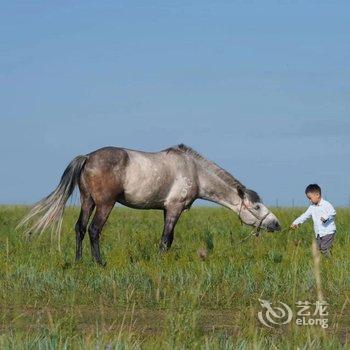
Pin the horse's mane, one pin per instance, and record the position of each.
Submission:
(217, 170)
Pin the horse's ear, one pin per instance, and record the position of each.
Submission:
(240, 192)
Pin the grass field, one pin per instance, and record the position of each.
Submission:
(178, 300)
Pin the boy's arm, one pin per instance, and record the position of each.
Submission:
(329, 214)
(302, 218)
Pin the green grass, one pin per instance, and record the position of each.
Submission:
(145, 300)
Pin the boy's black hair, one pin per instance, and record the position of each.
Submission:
(313, 188)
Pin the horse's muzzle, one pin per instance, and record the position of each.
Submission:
(273, 226)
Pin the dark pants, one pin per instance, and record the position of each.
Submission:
(325, 243)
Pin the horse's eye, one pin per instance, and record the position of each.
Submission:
(257, 207)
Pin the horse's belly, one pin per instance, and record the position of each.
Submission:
(144, 197)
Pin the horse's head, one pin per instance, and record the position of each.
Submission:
(253, 212)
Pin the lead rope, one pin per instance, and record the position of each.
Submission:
(256, 233)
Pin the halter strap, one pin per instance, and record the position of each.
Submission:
(257, 228)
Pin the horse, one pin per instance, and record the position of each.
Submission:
(169, 180)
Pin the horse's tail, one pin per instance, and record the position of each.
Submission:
(49, 210)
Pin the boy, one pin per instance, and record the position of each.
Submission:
(323, 215)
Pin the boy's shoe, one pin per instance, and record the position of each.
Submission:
(326, 254)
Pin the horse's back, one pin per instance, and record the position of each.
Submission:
(138, 179)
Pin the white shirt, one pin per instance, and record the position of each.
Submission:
(323, 210)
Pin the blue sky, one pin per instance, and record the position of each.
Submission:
(260, 87)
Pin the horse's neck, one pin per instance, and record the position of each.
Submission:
(214, 189)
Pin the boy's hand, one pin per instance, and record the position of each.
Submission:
(294, 226)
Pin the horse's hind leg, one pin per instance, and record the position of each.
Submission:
(87, 206)
(96, 226)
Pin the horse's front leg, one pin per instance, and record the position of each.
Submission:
(171, 215)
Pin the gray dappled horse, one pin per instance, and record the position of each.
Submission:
(170, 180)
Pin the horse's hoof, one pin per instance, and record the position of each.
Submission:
(100, 263)
(163, 249)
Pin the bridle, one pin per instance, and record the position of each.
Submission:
(255, 231)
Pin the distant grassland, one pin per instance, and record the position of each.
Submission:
(145, 300)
